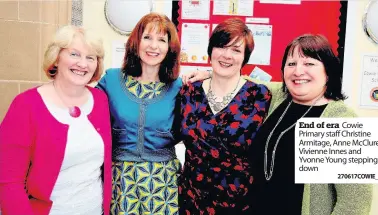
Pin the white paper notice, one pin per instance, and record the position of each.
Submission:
(233, 7)
(194, 42)
(281, 1)
(257, 20)
(195, 9)
(336, 150)
(118, 53)
(262, 35)
(369, 82)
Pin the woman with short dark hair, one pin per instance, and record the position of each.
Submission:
(311, 88)
(219, 118)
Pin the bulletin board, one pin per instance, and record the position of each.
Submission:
(288, 21)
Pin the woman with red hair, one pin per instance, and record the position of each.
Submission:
(142, 98)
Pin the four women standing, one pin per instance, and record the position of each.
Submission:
(220, 121)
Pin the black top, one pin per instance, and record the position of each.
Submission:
(279, 196)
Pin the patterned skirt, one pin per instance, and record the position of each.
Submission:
(141, 188)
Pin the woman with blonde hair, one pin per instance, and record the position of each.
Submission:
(55, 140)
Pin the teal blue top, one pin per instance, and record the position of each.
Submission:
(141, 127)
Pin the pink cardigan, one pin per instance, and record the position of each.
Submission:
(32, 146)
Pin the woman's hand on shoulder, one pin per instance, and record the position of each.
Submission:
(193, 76)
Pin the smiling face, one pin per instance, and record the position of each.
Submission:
(153, 47)
(228, 61)
(77, 63)
(304, 77)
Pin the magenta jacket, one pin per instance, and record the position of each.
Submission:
(32, 146)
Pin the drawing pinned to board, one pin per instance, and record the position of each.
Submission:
(194, 42)
(259, 74)
(195, 9)
(233, 7)
(262, 35)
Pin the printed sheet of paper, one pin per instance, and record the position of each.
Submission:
(262, 35)
(259, 74)
(194, 41)
(369, 82)
(118, 52)
(233, 7)
(195, 9)
(257, 20)
(281, 1)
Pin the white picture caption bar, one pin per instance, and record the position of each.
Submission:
(336, 150)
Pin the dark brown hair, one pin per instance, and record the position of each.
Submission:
(318, 47)
(226, 31)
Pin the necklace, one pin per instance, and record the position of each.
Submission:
(269, 175)
(74, 111)
(218, 106)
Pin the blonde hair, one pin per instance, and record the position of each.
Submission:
(63, 38)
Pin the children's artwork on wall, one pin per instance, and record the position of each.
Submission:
(262, 36)
(274, 25)
(233, 7)
(196, 9)
(280, 1)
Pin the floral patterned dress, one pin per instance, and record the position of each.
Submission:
(216, 173)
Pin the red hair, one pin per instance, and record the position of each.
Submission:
(169, 67)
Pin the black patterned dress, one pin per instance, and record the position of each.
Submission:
(217, 173)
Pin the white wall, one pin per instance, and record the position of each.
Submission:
(94, 19)
(357, 44)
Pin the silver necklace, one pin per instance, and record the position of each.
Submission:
(218, 106)
(269, 175)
